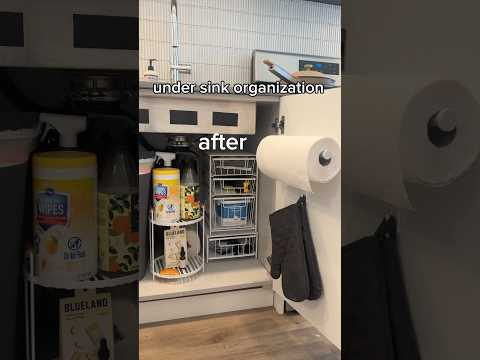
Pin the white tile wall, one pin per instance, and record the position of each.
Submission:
(218, 36)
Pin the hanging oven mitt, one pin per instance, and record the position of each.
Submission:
(316, 287)
(280, 227)
(290, 233)
(375, 311)
(403, 333)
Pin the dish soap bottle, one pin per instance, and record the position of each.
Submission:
(190, 191)
(118, 211)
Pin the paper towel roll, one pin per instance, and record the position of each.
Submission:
(299, 160)
(399, 130)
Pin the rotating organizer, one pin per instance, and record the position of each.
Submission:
(195, 262)
(232, 208)
(32, 280)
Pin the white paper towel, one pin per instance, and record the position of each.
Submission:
(295, 160)
(387, 126)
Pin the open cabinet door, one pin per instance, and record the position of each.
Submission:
(318, 115)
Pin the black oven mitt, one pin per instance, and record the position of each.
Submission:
(293, 253)
(376, 319)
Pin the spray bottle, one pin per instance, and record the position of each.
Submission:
(118, 208)
(61, 131)
(164, 159)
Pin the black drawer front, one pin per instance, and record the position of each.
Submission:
(183, 117)
(225, 119)
(11, 29)
(105, 32)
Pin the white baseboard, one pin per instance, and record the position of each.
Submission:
(278, 303)
(205, 304)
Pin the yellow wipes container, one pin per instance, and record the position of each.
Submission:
(166, 195)
(65, 215)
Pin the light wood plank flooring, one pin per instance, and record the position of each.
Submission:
(253, 335)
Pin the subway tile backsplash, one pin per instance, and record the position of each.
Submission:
(218, 36)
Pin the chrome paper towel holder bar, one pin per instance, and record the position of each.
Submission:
(442, 127)
(325, 158)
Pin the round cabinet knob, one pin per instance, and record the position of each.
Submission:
(325, 158)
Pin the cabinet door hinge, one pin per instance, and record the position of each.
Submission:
(279, 125)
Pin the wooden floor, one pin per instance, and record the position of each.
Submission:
(253, 335)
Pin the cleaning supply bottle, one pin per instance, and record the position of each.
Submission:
(189, 193)
(61, 130)
(118, 210)
(65, 205)
(188, 163)
(166, 191)
(150, 74)
(182, 146)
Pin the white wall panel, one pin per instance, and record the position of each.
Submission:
(218, 36)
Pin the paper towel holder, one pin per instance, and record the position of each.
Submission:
(442, 127)
(279, 125)
(325, 158)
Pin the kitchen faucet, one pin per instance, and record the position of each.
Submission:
(175, 67)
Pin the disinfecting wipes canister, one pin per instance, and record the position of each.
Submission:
(65, 215)
(166, 195)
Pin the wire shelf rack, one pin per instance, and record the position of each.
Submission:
(234, 166)
(233, 214)
(232, 247)
(232, 210)
(193, 266)
(236, 186)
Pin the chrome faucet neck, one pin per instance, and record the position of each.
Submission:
(175, 67)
